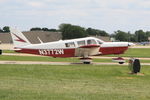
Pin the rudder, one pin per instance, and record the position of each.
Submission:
(19, 40)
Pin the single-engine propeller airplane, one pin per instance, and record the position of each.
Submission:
(82, 47)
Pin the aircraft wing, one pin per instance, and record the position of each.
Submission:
(87, 50)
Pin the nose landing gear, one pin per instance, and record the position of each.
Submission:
(120, 60)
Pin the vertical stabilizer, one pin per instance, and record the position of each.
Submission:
(19, 40)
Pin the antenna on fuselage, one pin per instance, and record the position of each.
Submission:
(40, 40)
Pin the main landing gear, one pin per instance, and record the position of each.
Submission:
(0, 52)
(120, 60)
(86, 60)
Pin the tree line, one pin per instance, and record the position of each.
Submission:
(137, 36)
(70, 31)
(73, 31)
(43, 29)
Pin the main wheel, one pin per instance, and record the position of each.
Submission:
(121, 62)
(86, 62)
(136, 66)
(0, 52)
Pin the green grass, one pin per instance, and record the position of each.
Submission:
(76, 82)
(36, 58)
(50, 59)
(9, 51)
(136, 52)
(40, 58)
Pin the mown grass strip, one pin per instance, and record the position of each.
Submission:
(50, 59)
(76, 82)
(136, 52)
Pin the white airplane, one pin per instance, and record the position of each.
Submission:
(82, 47)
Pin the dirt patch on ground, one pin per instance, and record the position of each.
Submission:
(129, 78)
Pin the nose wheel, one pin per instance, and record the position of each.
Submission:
(120, 60)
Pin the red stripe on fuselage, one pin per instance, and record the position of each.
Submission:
(71, 52)
(50, 52)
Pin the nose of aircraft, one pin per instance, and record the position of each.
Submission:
(130, 44)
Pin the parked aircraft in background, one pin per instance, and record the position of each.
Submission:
(82, 47)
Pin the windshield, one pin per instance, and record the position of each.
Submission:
(92, 41)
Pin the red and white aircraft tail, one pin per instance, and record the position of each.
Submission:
(19, 40)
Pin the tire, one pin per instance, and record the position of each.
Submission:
(86, 62)
(121, 62)
(0, 52)
(136, 66)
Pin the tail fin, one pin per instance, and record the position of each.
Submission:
(19, 40)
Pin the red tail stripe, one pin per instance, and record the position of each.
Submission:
(19, 39)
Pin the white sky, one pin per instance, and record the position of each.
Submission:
(108, 15)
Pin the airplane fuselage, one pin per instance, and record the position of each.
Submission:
(71, 48)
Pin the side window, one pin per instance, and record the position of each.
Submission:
(70, 44)
(81, 43)
(91, 42)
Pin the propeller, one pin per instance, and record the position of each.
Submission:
(130, 44)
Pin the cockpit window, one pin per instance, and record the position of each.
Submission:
(81, 43)
(70, 44)
(91, 41)
(99, 42)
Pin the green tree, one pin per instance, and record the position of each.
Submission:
(6, 29)
(148, 35)
(45, 29)
(53, 30)
(132, 38)
(91, 31)
(72, 31)
(36, 29)
(121, 36)
(140, 36)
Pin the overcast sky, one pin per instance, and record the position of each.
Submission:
(108, 15)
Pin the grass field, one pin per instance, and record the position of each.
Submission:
(50, 59)
(73, 82)
(137, 52)
(82, 82)
(9, 51)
